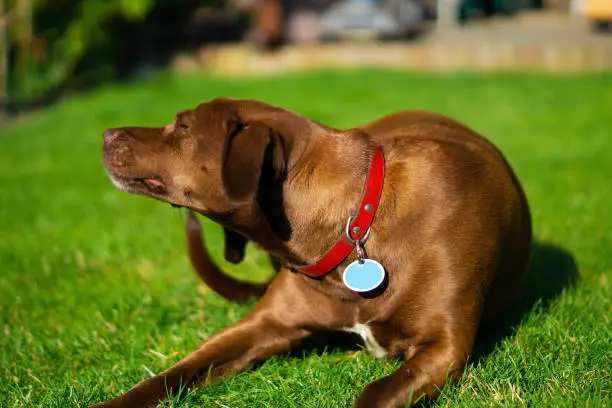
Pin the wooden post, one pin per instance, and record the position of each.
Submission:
(447, 11)
(4, 56)
(24, 42)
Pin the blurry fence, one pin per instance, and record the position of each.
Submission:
(50, 46)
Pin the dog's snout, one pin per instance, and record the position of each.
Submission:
(110, 135)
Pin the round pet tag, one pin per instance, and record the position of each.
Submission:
(363, 277)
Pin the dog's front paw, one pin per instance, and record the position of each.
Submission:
(107, 404)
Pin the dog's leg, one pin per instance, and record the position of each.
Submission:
(265, 331)
(235, 246)
(213, 277)
(424, 373)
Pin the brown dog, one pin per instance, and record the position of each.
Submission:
(452, 229)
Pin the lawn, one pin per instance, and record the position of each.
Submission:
(96, 292)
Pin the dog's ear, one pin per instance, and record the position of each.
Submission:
(253, 151)
(235, 245)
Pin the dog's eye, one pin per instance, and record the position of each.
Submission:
(182, 125)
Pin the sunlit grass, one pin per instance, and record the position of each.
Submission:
(96, 292)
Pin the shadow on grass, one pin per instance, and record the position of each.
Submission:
(552, 269)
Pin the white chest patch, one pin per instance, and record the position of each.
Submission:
(365, 332)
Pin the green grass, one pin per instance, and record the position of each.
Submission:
(96, 291)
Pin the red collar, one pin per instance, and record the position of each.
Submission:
(359, 224)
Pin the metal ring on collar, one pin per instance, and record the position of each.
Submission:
(348, 233)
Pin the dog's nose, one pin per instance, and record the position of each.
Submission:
(109, 135)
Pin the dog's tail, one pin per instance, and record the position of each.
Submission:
(209, 272)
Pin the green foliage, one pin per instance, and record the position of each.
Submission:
(96, 291)
(66, 31)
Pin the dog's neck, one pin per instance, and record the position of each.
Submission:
(299, 218)
(308, 213)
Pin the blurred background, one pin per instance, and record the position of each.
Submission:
(51, 47)
(96, 291)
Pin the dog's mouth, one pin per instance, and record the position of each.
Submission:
(153, 185)
(140, 185)
(121, 168)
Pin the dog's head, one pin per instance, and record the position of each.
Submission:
(208, 158)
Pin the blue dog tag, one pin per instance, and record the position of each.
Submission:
(363, 277)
